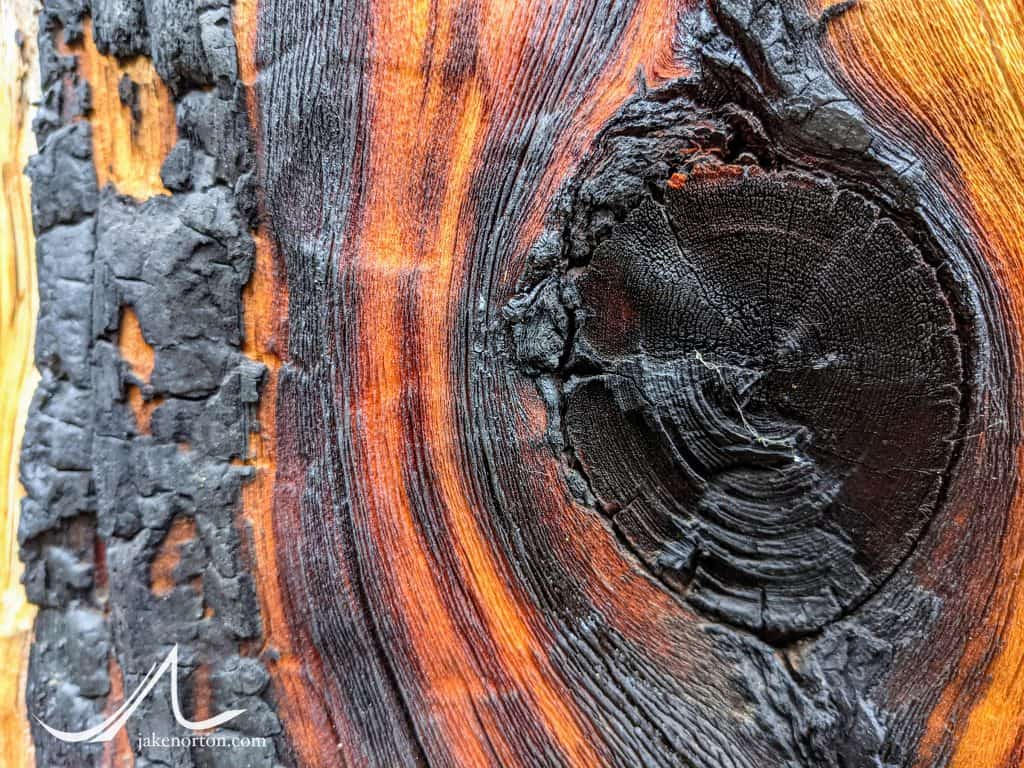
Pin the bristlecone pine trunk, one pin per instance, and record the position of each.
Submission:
(544, 383)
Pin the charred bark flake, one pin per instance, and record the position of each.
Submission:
(104, 492)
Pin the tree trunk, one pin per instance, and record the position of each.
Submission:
(527, 384)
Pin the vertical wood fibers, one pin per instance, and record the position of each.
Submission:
(19, 86)
(442, 107)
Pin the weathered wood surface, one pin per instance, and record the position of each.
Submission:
(638, 380)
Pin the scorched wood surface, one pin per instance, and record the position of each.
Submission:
(615, 382)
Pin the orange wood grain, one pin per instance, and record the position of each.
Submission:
(134, 348)
(168, 556)
(425, 145)
(141, 358)
(411, 249)
(127, 152)
(957, 67)
(428, 129)
(117, 753)
(265, 305)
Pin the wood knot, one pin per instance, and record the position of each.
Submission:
(762, 389)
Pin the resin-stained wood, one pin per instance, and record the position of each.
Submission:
(899, 60)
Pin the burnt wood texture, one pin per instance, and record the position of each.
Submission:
(606, 382)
